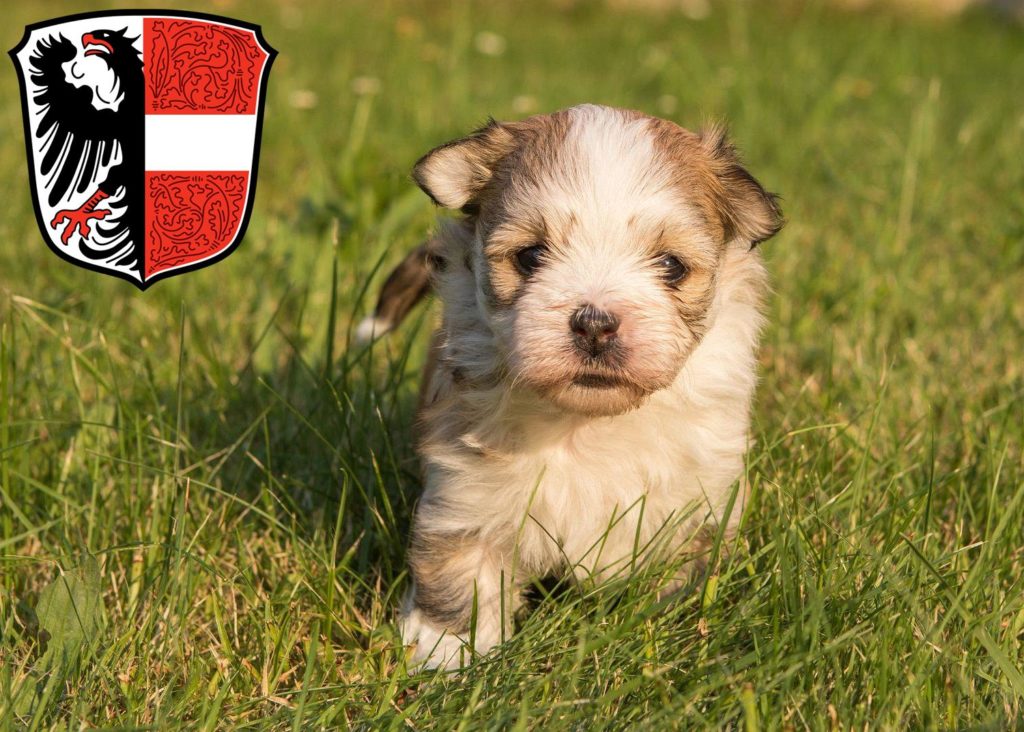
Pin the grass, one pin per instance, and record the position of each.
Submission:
(244, 476)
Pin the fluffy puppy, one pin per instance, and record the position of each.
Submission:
(586, 400)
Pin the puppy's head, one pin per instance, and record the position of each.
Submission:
(598, 238)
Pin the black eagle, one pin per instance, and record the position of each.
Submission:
(79, 141)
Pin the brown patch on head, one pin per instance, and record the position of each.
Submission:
(540, 143)
(454, 173)
(470, 173)
(708, 168)
(475, 173)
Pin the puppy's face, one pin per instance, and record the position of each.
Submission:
(599, 234)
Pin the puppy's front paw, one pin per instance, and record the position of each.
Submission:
(435, 647)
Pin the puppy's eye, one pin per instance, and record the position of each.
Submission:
(529, 259)
(673, 271)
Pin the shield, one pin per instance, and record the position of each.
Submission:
(142, 132)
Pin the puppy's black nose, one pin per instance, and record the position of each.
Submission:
(593, 329)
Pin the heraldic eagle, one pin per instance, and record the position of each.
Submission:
(83, 129)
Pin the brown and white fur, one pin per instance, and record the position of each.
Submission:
(558, 442)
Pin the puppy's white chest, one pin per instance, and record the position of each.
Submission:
(590, 508)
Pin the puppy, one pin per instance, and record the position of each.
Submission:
(585, 405)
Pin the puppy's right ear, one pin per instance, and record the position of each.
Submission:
(454, 174)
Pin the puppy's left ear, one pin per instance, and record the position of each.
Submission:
(748, 211)
(454, 174)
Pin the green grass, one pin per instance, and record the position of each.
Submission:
(245, 477)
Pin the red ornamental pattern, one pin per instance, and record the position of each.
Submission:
(191, 216)
(195, 67)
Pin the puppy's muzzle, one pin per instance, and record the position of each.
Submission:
(594, 330)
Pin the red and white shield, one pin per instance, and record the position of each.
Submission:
(143, 131)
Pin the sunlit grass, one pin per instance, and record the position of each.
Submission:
(245, 477)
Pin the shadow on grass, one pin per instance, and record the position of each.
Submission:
(322, 450)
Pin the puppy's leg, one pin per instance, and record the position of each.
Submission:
(457, 579)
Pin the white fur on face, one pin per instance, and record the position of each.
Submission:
(652, 342)
(605, 204)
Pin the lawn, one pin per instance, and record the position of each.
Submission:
(226, 480)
